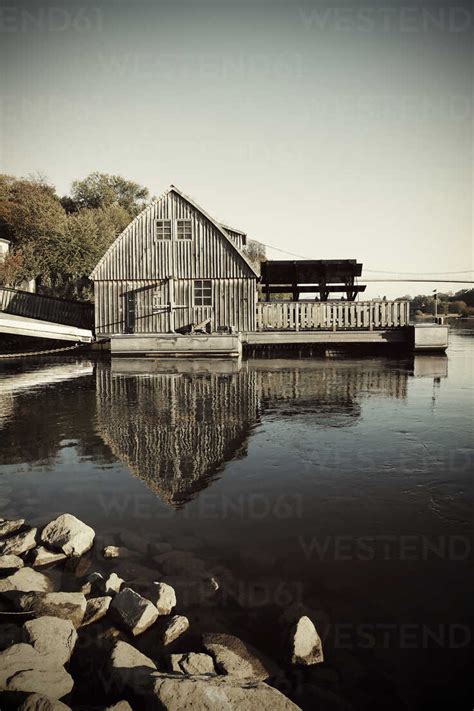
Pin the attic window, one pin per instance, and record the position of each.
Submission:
(202, 292)
(163, 229)
(184, 229)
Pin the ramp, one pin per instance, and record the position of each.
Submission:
(35, 315)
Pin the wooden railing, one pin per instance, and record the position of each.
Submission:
(46, 308)
(331, 315)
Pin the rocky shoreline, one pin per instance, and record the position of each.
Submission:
(117, 638)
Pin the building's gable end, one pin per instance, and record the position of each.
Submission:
(138, 253)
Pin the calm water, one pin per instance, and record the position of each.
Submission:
(342, 486)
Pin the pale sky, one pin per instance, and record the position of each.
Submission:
(327, 130)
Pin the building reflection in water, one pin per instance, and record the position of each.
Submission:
(176, 424)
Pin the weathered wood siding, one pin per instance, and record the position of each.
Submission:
(233, 305)
(137, 254)
(137, 267)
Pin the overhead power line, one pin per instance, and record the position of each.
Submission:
(383, 271)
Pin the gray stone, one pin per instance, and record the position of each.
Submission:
(305, 644)
(96, 608)
(118, 552)
(22, 668)
(110, 586)
(192, 663)
(67, 606)
(127, 668)
(26, 580)
(161, 547)
(9, 527)
(236, 658)
(69, 535)
(38, 702)
(10, 562)
(43, 556)
(9, 634)
(20, 543)
(134, 541)
(52, 636)
(163, 597)
(133, 611)
(177, 692)
(177, 625)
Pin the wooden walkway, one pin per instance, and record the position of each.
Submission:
(35, 315)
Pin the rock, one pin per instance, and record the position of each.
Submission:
(127, 667)
(9, 527)
(10, 562)
(192, 663)
(134, 541)
(182, 563)
(111, 586)
(52, 636)
(42, 556)
(120, 706)
(96, 608)
(38, 702)
(305, 644)
(69, 535)
(22, 668)
(20, 543)
(67, 606)
(133, 611)
(163, 597)
(236, 658)
(177, 625)
(177, 692)
(117, 552)
(9, 634)
(190, 591)
(161, 547)
(26, 580)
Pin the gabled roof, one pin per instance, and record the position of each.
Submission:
(173, 189)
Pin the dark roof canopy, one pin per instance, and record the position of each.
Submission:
(323, 276)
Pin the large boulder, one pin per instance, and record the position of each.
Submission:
(20, 543)
(67, 606)
(69, 535)
(192, 663)
(43, 556)
(127, 668)
(9, 527)
(26, 580)
(10, 562)
(163, 597)
(176, 626)
(238, 659)
(132, 611)
(38, 702)
(22, 668)
(305, 643)
(96, 608)
(51, 636)
(105, 586)
(177, 692)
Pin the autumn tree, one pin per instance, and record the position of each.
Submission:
(100, 190)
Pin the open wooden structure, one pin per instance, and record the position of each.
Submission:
(316, 276)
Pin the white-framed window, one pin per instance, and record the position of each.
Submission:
(202, 292)
(163, 229)
(184, 229)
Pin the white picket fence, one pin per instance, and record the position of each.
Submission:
(331, 315)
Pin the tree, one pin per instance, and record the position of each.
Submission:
(100, 190)
(11, 268)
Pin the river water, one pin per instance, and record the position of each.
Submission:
(339, 487)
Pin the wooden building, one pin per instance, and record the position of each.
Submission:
(172, 268)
